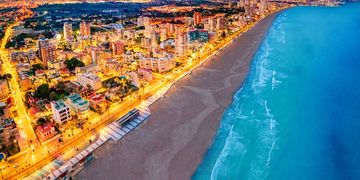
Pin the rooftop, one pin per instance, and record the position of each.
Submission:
(77, 99)
(45, 128)
(91, 76)
(58, 104)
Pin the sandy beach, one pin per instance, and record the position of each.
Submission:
(172, 142)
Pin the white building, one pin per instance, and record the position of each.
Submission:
(133, 76)
(128, 57)
(160, 65)
(61, 112)
(77, 104)
(89, 79)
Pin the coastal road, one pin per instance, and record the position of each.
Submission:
(170, 145)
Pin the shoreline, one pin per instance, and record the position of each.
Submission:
(173, 141)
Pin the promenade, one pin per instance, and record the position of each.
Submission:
(171, 143)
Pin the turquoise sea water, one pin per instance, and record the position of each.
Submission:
(297, 115)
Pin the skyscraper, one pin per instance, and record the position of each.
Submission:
(163, 32)
(117, 48)
(68, 31)
(47, 51)
(180, 44)
(96, 55)
(197, 18)
(85, 29)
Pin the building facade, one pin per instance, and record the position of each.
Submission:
(89, 79)
(4, 89)
(160, 65)
(61, 112)
(197, 18)
(117, 48)
(47, 51)
(45, 131)
(77, 104)
(68, 32)
(85, 31)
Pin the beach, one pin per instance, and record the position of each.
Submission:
(171, 143)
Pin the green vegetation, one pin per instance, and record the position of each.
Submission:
(137, 28)
(72, 63)
(38, 66)
(6, 76)
(43, 91)
(56, 95)
(123, 84)
(65, 46)
(19, 40)
(10, 149)
(41, 121)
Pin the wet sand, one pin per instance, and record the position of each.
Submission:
(172, 142)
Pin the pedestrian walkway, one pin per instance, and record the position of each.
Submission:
(112, 131)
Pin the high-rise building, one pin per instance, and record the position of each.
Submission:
(240, 3)
(47, 51)
(179, 29)
(212, 24)
(170, 28)
(263, 7)
(219, 23)
(68, 32)
(149, 29)
(197, 17)
(96, 55)
(180, 44)
(117, 48)
(143, 21)
(154, 41)
(85, 29)
(163, 32)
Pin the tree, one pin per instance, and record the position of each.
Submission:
(72, 63)
(53, 96)
(38, 66)
(60, 86)
(42, 91)
(137, 28)
(7, 76)
(40, 121)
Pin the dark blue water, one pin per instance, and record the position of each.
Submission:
(297, 115)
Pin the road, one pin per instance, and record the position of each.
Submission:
(77, 138)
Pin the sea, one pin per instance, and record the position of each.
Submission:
(297, 115)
